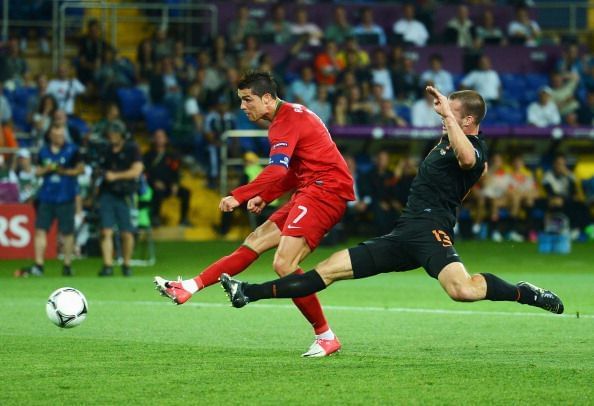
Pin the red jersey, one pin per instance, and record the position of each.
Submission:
(302, 154)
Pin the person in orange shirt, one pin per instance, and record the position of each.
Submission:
(327, 65)
(7, 139)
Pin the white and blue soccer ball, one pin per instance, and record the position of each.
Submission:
(67, 307)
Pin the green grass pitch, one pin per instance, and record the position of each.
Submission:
(404, 341)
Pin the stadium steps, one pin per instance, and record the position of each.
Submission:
(204, 215)
(131, 28)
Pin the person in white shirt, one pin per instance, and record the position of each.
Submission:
(442, 79)
(460, 29)
(544, 112)
(412, 31)
(484, 80)
(523, 29)
(422, 113)
(304, 27)
(381, 74)
(65, 89)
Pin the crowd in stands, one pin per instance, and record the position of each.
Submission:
(360, 73)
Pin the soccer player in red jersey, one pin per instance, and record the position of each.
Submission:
(303, 158)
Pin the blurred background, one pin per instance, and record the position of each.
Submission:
(168, 70)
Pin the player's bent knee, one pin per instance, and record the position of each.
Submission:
(460, 292)
(282, 267)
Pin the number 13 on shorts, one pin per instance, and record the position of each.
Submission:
(442, 237)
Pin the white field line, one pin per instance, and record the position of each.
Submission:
(264, 306)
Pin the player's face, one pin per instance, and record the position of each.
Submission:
(252, 105)
(456, 107)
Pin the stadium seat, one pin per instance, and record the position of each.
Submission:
(536, 80)
(19, 117)
(131, 102)
(512, 81)
(404, 112)
(157, 117)
(21, 95)
(78, 123)
(509, 115)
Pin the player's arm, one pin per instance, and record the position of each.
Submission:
(271, 182)
(463, 148)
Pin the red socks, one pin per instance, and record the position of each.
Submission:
(311, 308)
(231, 264)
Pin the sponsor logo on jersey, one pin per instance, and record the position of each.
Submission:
(280, 145)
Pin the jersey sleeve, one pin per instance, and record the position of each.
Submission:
(288, 182)
(270, 182)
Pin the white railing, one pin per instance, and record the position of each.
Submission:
(227, 162)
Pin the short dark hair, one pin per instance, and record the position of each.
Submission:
(473, 104)
(259, 83)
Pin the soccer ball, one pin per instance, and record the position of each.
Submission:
(67, 307)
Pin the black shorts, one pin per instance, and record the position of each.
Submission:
(412, 244)
(63, 212)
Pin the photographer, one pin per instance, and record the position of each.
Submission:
(121, 166)
(59, 165)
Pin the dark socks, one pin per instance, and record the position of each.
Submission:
(500, 290)
(290, 286)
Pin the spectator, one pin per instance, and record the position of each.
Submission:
(71, 133)
(460, 29)
(571, 62)
(320, 105)
(586, 111)
(42, 118)
(25, 175)
(327, 65)
(523, 30)
(222, 58)
(145, 59)
(278, 27)
(90, 52)
(33, 101)
(381, 74)
(303, 90)
(340, 29)
(5, 108)
(303, 27)
(523, 195)
(367, 27)
(60, 164)
(543, 112)
(360, 111)
(65, 88)
(163, 174)
(488, 33)
(162, 44)
(249, 57)
(212, 78)
(358, 210)
(387, 116)
(352, 55)
(166, 87)
(7, 140)
(112, 74)
(412, 31)
(14, 66)
(111, 115)
(406, 82)
(241, 26)
(563, 87)
(341, 109)
(441, 78)
(405, 172)
(121, 166)
(484, 80)
(217, 121)
(495, 190)
(181, 64)
(422, 113)
(560, 187)
(384, 202)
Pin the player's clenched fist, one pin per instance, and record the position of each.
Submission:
(228, 204)
(256, 205)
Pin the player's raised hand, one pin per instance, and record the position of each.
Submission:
(228, 204)
(256, 205)
(440, 102)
